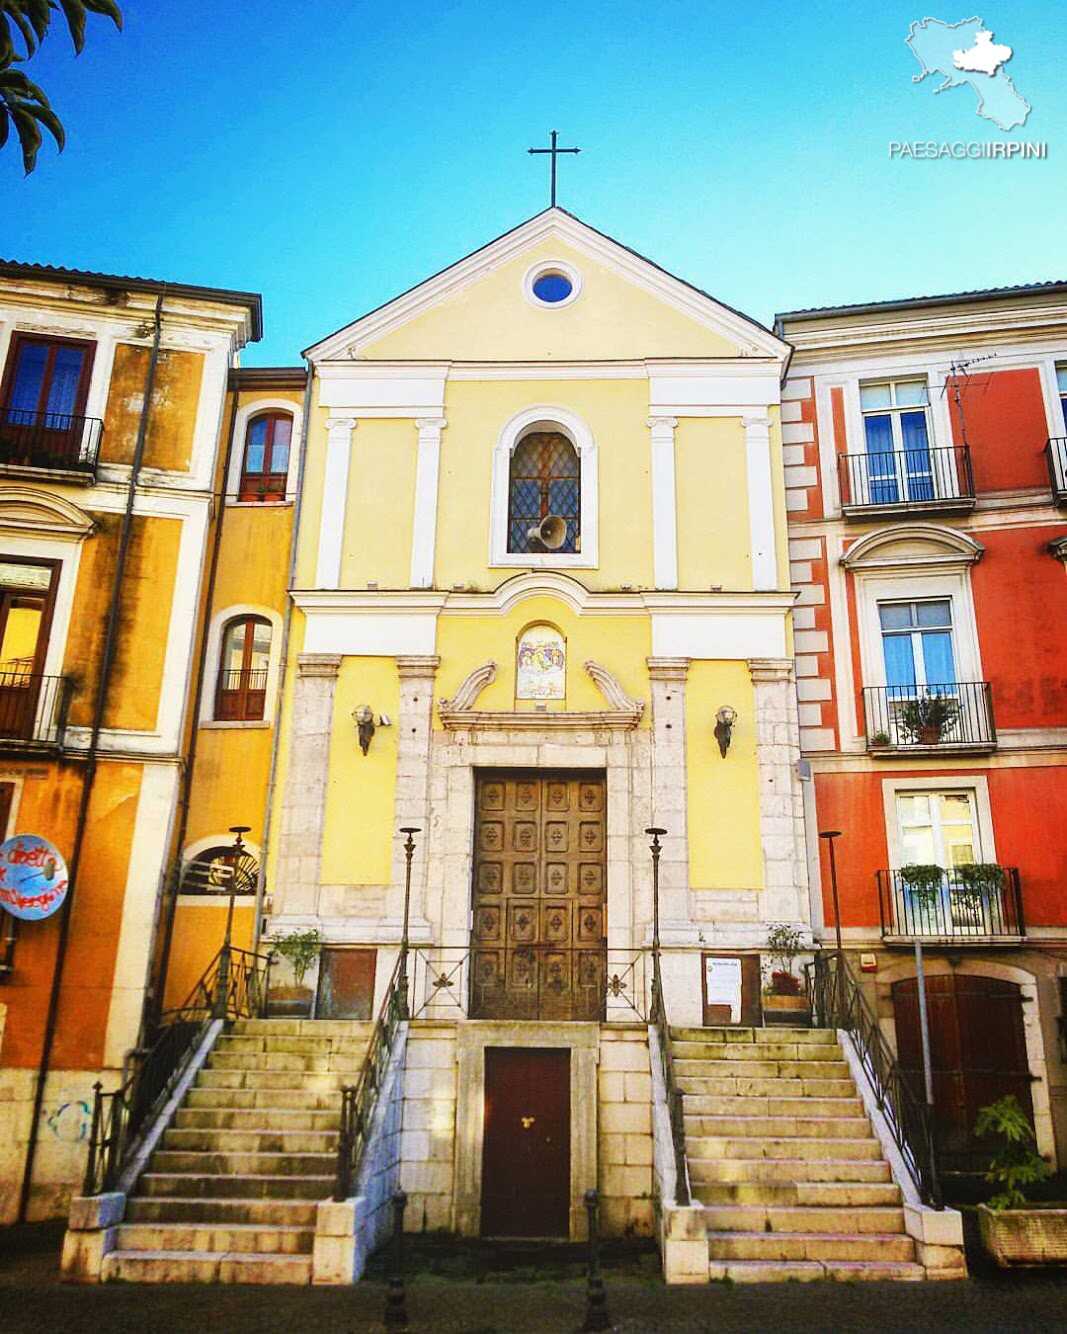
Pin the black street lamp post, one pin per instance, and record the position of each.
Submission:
(402, 974)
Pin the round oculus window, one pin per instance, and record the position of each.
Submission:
(552, 287)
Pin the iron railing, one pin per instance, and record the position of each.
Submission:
(907, 479)
(675, 1097)
(234, 986)
(961, 907)
(58, 441)
(359, 1100)
(33, 708)
(1056, 460)
(953, 713)
(838, 1002)
(538, 981)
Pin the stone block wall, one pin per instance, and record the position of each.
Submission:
(625, 1133)
(427, 1140)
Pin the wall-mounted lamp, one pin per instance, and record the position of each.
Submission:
(725, 718)
(363, 717)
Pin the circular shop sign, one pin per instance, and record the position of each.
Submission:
(33, 877)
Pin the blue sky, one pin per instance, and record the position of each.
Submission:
(332, 155)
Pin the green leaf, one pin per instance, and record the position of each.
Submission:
(74, 11)
(29, 110)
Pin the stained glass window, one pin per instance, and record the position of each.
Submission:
(545, 479)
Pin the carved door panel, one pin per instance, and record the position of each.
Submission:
(539, 937)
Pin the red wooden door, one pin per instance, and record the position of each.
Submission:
(526, 1157)
(977, 1055)
(346, 984)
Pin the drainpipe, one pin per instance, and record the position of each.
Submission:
(153, 1006)
(283, 661)
(106, 664)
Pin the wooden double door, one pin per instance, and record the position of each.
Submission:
(539, 943)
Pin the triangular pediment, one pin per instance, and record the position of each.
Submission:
(479, 309)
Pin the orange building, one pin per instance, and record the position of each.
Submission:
(926, 474)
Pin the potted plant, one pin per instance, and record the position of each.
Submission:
(300, 949)
(1013, 1231)
(923, 881)
(880, 738)
(784, 1001)
(926, 718)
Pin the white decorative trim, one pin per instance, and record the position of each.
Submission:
(908, 584)
(975, 783)
(760, 501)
(664, 503)
(38, 513)
(540, 270)
(549, 418)
(424, 521)
(471, 688)
(214, 646)
(612, 691)
(334, 500)
(241, 422)
(946, 549)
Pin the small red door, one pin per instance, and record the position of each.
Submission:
(526, 1158)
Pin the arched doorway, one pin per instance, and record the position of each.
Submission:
(977, 1052)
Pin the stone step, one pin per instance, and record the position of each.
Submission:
(765, 1218)
(264, 1080)
(341, 1028)
(787, 1194)
(786, 1169)
(279, 1165)
(782, 1050)
(263, 1044)
(245, 1186)
(824, 1246)
(211, 1267)
(700, 1104)
(811, 1036)
(245, 1238)
(784, 1147)
(806, 1271)
(299, 1100)
(692, 1073)
(316, 1063)
(263, 1213)
(811, 1126)
(200, 1139)
(733, 1086)
(214, 1117)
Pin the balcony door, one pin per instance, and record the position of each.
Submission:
(897, 437)
(44, 393)
(26, 594)
(941, 829)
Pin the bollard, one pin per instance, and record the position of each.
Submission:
(396, 1307)
(596, 1299)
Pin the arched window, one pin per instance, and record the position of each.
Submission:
(265, 466)
(216, 870)
(241, 692)
(544, 480)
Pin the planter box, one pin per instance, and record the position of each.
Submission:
(792, 1010)
(1035, 1236)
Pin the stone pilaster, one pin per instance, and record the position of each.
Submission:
(664, 503)
(667, 678)
(781, 802)
(424, 526)
(296, 880)
(760, 501)
(412, 804)
(334, 501)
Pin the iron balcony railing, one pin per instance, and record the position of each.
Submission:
(33, 708)
(907, 479)
(52, 440)
(980, 903)
(947, 714)
(1056, 458)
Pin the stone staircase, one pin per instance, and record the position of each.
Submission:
(783, 1158)
(231, 1194)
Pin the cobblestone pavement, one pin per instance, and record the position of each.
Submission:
(33, 1299)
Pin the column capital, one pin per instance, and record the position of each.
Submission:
(323, 665)
(662, 425)
(754, 424)
(430, 425)
(770, 669)
(421, 665)
(668, 669)
(337, 425)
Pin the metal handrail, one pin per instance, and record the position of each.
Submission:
(1056, 459)
(906, 478)
(359, 1100)
(33, 706)
(839, 1002)
(946, 713)
(55, 440)
(675, 1097)
(234, 986)
(958, 908)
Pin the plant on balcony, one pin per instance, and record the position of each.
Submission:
(784, 1000)
(927, 718)
(880, 738)
(978, 881)
(1012, 1232)
(923, 880)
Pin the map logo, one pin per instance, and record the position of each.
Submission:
(965, 53)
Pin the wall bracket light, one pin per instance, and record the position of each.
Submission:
(725, 717)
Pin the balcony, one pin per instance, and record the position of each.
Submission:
(908, 481)
(906, 720)
(33, 710)
(979, 904)
(1056, 459)
(50, 443)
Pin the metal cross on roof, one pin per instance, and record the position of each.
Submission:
(554, 151)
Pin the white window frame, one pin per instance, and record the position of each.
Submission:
(211, 675)
(915, 634)
(907, 586)
(241, 421)
(543, 417)
(894, 411)
(975, 785)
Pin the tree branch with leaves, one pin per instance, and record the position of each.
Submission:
(24, 24)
